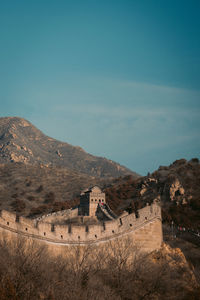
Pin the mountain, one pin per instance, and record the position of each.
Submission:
(20, 141)
(39, 174)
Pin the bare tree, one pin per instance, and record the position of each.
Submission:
(116, 270)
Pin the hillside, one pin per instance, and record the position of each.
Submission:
(39, 174)
(32, 189)
(177, 186)
(20, 141)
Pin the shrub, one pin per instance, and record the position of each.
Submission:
(18, 205)
(39, 189)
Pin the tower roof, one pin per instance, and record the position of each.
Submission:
(94, 189)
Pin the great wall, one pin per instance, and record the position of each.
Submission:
(83, 228)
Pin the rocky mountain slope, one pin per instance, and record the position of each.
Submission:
(39, 174)
(20, 141)
(177, 185)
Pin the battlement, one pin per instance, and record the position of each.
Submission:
(95, 233)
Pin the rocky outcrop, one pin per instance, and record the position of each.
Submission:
(176, 189)
(175, 259)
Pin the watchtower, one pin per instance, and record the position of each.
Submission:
(89, 201)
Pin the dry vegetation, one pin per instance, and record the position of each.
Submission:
(116, 272)
(125, 192)
(189, 245)
(33, 190)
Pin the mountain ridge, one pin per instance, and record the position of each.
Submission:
(20, 141)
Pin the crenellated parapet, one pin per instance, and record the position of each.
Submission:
(69, 234)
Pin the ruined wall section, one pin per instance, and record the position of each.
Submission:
(145, 230)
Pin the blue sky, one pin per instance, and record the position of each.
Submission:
(119, 78)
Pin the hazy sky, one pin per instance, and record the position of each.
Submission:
(119, 78)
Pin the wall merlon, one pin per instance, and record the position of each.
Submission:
(27, 222)
(44, 228)
(8, 216)
(78, 232)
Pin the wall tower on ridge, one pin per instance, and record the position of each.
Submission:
(89, 201)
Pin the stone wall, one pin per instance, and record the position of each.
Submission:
(146, 230)
(59, 216)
